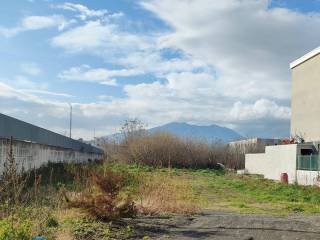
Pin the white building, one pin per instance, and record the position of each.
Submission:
(300, 161)
(253, 145)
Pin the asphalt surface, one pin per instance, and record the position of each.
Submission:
(225, 226)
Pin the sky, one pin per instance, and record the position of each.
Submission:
(197, 61)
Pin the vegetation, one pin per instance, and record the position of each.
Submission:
(226, 191)
(142, 175)
(137, 146)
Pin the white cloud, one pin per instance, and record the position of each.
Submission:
(261, 109)
(230, 68)
(99, 38)
(44, 92)
(7, 91)
(31, 23)
(140, 52)
(21, 81)
(40, 22)
(101, 75)
(84, 12)
(25, 90)
(31, 68)
(249, 44)
(230, 56)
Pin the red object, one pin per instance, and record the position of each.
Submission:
(284, 178)
(288, 141)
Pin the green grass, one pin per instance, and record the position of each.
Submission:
(191, 189)
(217, 190)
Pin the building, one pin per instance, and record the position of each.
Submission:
(253, 145)
(301, 161)
(305, 102)
(34, 146)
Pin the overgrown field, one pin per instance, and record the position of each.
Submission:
(66, 201)
(226, 191)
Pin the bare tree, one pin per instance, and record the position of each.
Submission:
(132, 128)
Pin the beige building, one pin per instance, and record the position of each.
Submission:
(305, 116)
(301, 161)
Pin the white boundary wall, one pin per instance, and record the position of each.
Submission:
(276, 160)
(307, 177)
(32, 155)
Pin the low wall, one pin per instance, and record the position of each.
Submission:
(33, 155)
(307, 177)
(276, 160)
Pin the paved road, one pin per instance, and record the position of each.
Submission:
(225, 226)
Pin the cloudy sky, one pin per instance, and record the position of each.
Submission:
(197, 61)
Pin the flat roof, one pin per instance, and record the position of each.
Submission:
(305, 57)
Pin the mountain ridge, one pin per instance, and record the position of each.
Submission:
(208, 133)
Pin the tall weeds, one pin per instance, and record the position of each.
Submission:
(166, 150)
(102, 198)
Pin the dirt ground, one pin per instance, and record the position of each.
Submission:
(218, 225)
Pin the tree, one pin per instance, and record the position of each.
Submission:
(132, 128)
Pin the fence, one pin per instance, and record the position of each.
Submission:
(308, 162)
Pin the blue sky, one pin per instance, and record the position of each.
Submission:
(199, 61)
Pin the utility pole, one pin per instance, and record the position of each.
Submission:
(70, 119)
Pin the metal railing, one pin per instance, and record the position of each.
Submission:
(308, 162)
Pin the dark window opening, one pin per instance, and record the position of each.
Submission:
(306, 151)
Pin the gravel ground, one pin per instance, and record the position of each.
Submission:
(217, 225)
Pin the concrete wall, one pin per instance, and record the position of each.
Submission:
(276, 160)
(253, 145)
(33, 155)
(305, 104)
(307, 177)
(19, 130)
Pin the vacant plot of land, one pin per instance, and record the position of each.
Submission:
(226, 191)
(97, 201)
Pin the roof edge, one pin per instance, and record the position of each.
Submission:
(305, 58)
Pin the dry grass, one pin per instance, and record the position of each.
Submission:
(165, 195)
(102, 198)
(166, 150)
(64, 216)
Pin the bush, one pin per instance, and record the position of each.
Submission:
(103, 198)
(167, 150)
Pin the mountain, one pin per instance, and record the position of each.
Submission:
(184, 130)
(208, 133)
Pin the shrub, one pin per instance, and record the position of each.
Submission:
(103, 199)
(166, 150)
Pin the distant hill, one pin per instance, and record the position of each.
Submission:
(208, 133)
(185, 130)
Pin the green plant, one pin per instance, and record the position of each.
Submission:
(88, 228)
(10, 230)
(52, 222)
